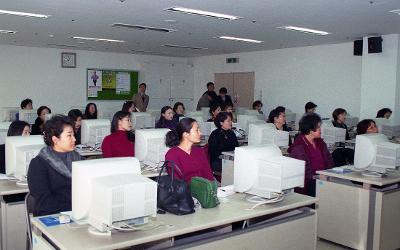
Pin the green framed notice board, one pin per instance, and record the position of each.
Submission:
(109, 84)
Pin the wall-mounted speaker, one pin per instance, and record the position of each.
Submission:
(358, 47)
(375, 44)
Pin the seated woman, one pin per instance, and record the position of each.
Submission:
(90, 111)
(367, 126)
(277, 116)
(121, 141)
(341, 156)
(76, 116)
(129, 106)
(37, 128)
(257, 105)
(179, 110)
(17, 128)
(214, 111)
(167, 119)
(25, 104)
(191, 160)
(309, 147)
(384, 113)
(229, 108)
(221, 140)
(49, 174)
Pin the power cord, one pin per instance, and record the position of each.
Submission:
(261, 201)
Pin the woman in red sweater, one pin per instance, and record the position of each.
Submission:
(121, 141)
(191, 160)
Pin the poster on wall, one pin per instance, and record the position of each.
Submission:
(105, 84)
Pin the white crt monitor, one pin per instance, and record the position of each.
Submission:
(9, 113)
(142, 120)
(28, 115)
(245, 120)
(150, 145)
(197, 115)
(267, 134)
(24, 155)
(373, 152)
(206, 128)
(83, 174)
(331, 134)
(262, 170)
(4, 126)
(390, 130)
(351, 121)
(12, 145)
(106, 114)
(93, 131)
(381, 121)
(155, 113)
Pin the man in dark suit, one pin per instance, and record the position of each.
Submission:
(223, 99)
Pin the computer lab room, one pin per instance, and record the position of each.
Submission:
(199, 125)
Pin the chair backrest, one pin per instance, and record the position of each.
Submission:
(29, 209)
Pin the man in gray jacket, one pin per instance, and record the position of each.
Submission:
(141, 100)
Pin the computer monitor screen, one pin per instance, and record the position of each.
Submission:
(3, 131)
(24, 155)
(141, 120)
(375, 153)
(150, 145)
(83, 174)
(245, 120)
(331, 134)
(122, 199)
(14, 142)
(28, 115)
(206, 128)
(267, 134)
(93, 131)
(262, 170)
(9, 113)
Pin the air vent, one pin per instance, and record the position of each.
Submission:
(183, 47)
(232, 60)
(141, 27)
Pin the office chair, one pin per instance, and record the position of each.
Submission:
(29, 205)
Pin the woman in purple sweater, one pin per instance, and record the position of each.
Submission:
(191, 160)
(167, 119)
(309, 147)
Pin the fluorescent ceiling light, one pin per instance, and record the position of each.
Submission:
(239, 39)
(142, 27)
(202, 13)
(7, 32)
(23, 14)
(395, 11)
(182, 46)
(97, 39)
(304, 30)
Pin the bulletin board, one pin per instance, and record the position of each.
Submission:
(107, 84)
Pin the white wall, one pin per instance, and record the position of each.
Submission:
(328, 75)
(36, 73)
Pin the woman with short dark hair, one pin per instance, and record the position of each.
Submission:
(190, 159)
(76, 116)
(341, 156)
(121, 141)
(49, 174)
(37, 127)
(167, 119)
(309, 147)
(257, 105)
(90, 111)
(277, 116)
(367, 126)
(384, 113)
(214, 111)
(179, 110)
(221, 140)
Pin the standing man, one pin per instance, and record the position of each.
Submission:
(208, 98)
(141, 100)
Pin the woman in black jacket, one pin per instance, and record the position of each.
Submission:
(221, 140)
(341, 156)
(37, 127)
(49, 174)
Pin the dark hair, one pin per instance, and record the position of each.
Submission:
(209, 83)
(280, 109)
(143, 84)
(214, 107)
(310, 105)
(363, 126)
(127, 105)
(74, 114)
(221, 117)
(337, 112)
(25, 103)
(87, 114)
(381, 113)
(114, 124)
(54, 127)
(223, 90)
(176, 105)
(257, 103)
(308, 123)
(272, 115)
(174, 137)
(16, 128)
(41, 108)
(164, 109)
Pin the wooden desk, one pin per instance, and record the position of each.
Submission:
(359, 212)
(298, 232)
(13, 225)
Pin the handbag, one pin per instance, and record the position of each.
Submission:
(173, 195)
(205, 191)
